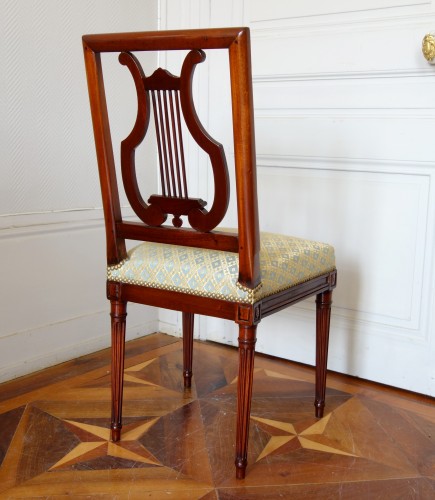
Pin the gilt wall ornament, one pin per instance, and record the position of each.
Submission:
(428, 47)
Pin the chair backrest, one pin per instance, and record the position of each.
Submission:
(166, 100)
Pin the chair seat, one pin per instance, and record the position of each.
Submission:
(285, 261)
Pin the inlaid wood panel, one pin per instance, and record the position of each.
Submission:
(54, 432)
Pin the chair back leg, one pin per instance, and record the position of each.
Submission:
(118, 315)
(188, 321)
(247, 339)
(323, 314)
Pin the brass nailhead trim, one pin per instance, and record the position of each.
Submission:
(252, 293)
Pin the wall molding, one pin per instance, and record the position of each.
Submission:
(350, 114)
(347, 164)
(55, 324)
(344, 75)
(39, 223)
(25, 223)
(349, 320)
(420, 174)
(343, 50)
(312, 25)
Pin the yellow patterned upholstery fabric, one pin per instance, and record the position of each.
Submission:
(285, 262)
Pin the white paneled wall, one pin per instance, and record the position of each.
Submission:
(345, 117)
(52, 244)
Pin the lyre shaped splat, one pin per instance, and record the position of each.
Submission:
(168, 99)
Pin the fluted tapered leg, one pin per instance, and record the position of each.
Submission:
(188, 320)
(323, 313)
(118, 317)
(247, 339)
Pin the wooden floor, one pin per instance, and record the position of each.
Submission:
(373, 443)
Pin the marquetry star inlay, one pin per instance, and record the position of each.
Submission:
(272, 374)
(129, 373)
(95, 442)
(310, 438)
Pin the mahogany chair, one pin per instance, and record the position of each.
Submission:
(239, 275)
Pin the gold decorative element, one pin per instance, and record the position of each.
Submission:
(428, 47)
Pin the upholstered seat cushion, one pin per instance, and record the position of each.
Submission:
(285, 262)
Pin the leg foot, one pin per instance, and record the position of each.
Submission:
(319, 407)
(241, 469)
(115, 434)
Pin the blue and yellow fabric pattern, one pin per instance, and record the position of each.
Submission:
(285, 261)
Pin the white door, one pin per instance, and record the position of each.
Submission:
(345, 128)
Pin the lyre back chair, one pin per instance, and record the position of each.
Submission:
(241, 275)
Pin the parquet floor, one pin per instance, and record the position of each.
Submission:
(373, 443)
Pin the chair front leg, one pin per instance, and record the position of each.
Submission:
(118, 318)
(188, 321)
(323, 314)
(247, 339)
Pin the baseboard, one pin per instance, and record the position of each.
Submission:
(49, 345)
